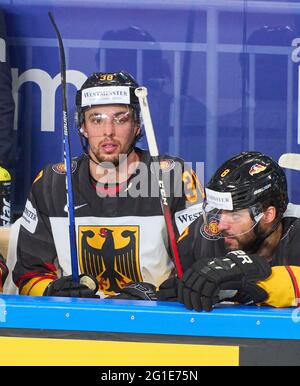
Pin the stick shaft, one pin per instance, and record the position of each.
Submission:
(67, 157)
(141, 93)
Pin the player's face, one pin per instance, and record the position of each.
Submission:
(110, 130)
(237, 229)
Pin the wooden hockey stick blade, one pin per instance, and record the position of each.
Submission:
(290, 161)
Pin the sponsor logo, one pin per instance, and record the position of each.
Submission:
(29, 219)
(243, 256)
(60, 168)
(257, 168)
(111, 254)
(185, 217)
(163, 194)
(75, 207)
(262, 189)
(5, 215)
(219, 200)
(104, 95)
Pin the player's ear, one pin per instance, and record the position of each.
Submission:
(82, 131)
(269, 215)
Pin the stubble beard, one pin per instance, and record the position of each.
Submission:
(113, 159)
(243, 243)
(107, 159)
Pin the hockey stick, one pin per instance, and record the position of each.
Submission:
(67, 156)
(290, 161)
(141, 93)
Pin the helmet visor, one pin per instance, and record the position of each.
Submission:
(102, 119)
(222, 222)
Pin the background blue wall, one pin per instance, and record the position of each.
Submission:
(222, 74)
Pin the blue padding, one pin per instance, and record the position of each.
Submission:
(146, 317)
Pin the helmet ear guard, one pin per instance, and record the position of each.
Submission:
(256, 212)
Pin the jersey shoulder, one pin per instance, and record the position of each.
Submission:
(49, 185)
(57, 172)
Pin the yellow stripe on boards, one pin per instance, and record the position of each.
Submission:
(64, 352)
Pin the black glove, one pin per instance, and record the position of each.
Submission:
(200, 286)
(137, 291)
(168, 290)
(65, 286)
(3, 271)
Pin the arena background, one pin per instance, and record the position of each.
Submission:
(222, 74)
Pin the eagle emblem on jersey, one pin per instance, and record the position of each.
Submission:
(111, 254)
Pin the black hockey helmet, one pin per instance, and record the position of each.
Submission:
(253, 180)
(122, 86)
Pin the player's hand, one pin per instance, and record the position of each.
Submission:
(137, 291)
(202, 285)
(65, 286)
(3, 271)
(168, 290)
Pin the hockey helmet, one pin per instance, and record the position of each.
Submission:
(103, 88)
(249, 180)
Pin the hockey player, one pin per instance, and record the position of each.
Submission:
(246, 246)
(121, 234)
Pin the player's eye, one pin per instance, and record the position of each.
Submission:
(98, 118)
(122, 118)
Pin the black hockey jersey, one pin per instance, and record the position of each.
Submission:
(193, 246)
(119, 239)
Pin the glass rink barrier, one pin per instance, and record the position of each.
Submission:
(222, 76)
(54, 331)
